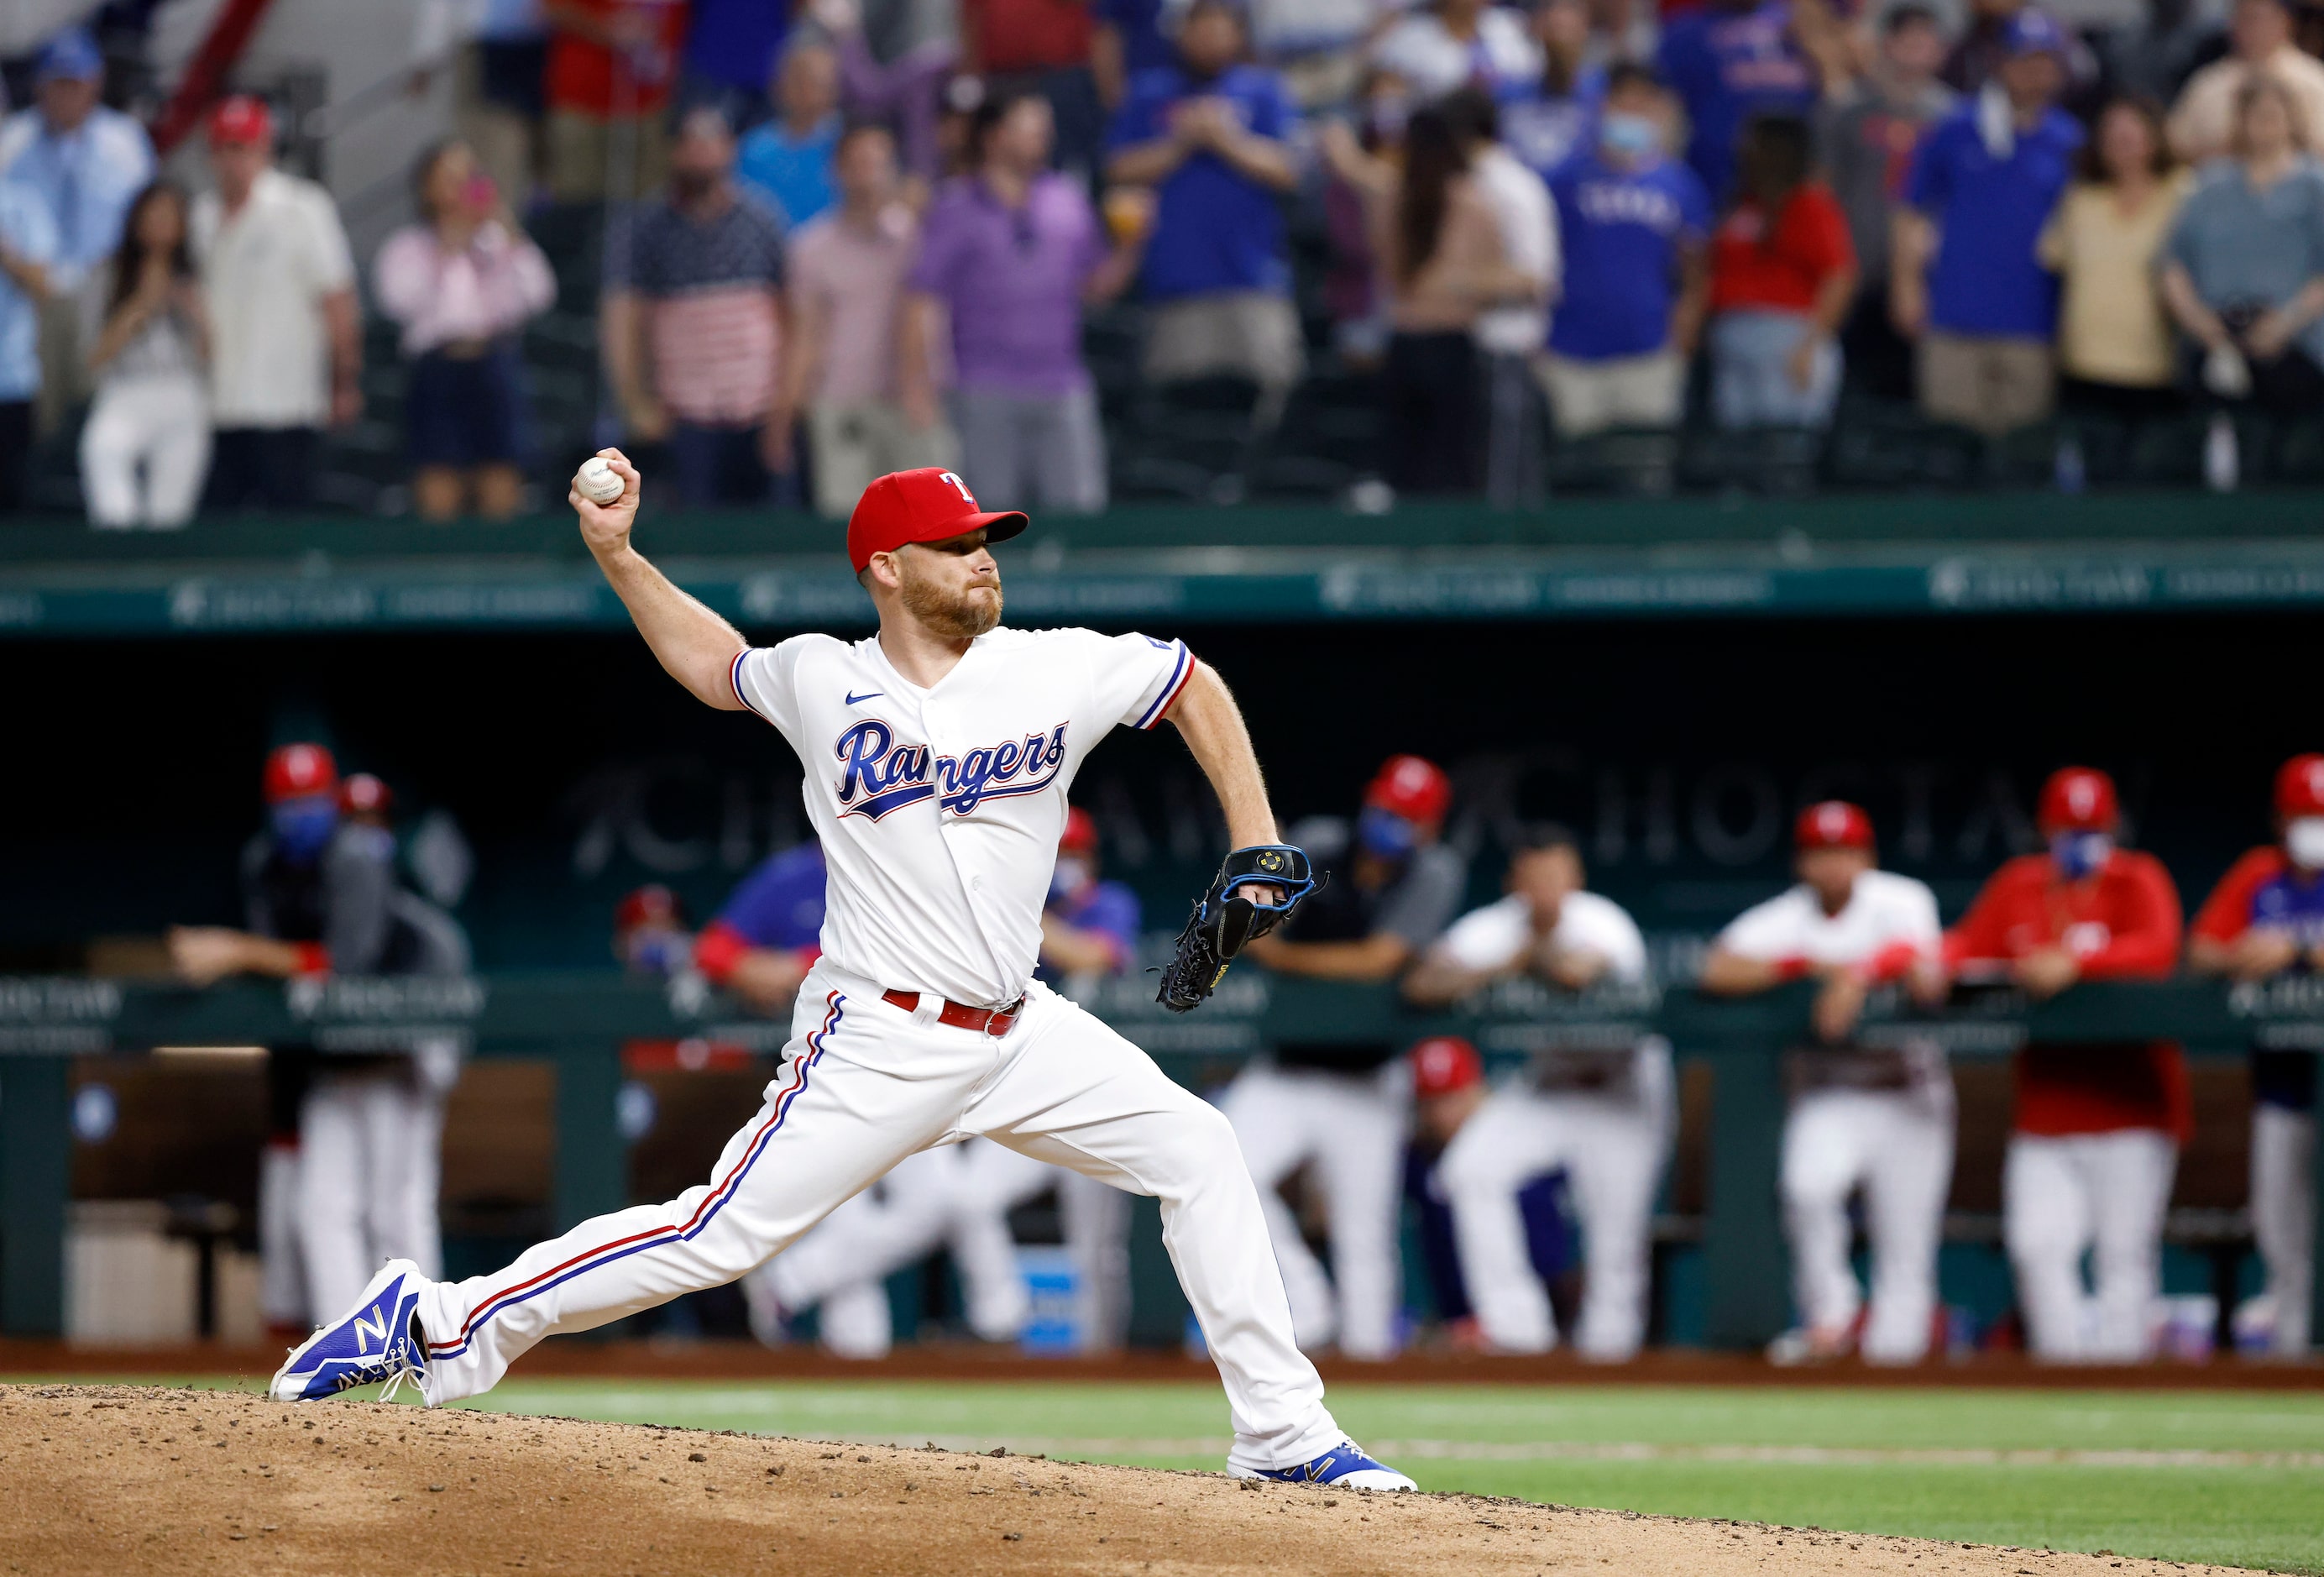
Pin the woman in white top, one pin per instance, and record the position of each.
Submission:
(146, 445)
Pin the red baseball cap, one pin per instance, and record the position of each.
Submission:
(1443, 1065)
(1832, 824)
(652, 905)
(242, 119)
(2300, 787)
(1080, 837)
(1414, 788)
(928, 506)
(363, 794)
(298, 772)
(2078, 799)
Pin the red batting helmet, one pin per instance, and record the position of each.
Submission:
(365, 794)
(2078, 799)
(1416, 789)
(298, 772)
(1832, 824)
(1443, 1065)
(1080, 837)
(2300, 787)
(926, 505)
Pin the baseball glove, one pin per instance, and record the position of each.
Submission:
(1227, 916)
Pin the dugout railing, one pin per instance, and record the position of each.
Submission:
(580, 1022)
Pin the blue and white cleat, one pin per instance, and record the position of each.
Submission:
(378, 1340)
(1344, 1467)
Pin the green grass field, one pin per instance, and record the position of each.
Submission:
(2235, 1478)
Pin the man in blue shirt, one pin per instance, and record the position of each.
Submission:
(764, 942)
(28, 250)
(1964, 279)
(788, 161)
(1727, 61)
(84, 164)
(1208, 134)
(1631, 224)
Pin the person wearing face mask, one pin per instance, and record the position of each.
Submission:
(321, 898)
(2095, 1143)
(2266, 919)
(1874, 1121)
(1337, 1109)
(1602, 1116)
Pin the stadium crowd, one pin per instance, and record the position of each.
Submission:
(850, 235)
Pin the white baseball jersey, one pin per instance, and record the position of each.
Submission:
(1497, 936)
(1883, 909)
(939, 809)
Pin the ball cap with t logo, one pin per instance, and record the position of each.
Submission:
(926, 505)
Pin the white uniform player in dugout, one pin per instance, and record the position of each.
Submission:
(1604, 1115)
(938, 754)
(1877, 1120)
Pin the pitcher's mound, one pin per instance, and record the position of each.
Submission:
(119, 1480)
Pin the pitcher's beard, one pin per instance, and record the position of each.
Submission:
(962, 617)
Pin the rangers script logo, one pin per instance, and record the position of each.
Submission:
(878, 775)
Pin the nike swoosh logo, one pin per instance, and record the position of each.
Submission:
(866, 695)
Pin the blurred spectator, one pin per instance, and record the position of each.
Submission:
(1545, 120)
(894, 66)
(1510, 332)
(731, 51)
(1977, 53)
(1730, 60)
(691, 323)
(1444, 44)
(1877, 1120)
(2266, 919)
(365, 800)
(1010, 253)
(498, 53)
(28, 250)
(612, 64)
(1358, 159)
(1624, 30)
(1782, 273)
(286, 343)
(650, 934)
(1207, 133)
(2105, 242)
(1631, 227)
(1334, 1108)
(2097, 1128)
(2153, 57)
(1318, 45)
(1603, 1117)
(1041, 47)
(147, 442)
(1965, 281)
(2204, 120)
(2244, 269)
(463, 282)
(787, 159)
(84, 164)
(1868, 134)
(1127, 40)
(846, 294)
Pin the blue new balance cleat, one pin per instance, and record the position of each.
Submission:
(1344, 1467)
(378, 1340)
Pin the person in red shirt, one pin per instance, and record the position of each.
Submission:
(611, 67)
(2096, 1143)
(2266, 919)
(1782, 272)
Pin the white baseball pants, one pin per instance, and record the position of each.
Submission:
(2100, 1193)
(370, 1156)
(2283, 1217)
(1351, 1127)
(1897, 1146)
(1612, 1146)
(862, 1084)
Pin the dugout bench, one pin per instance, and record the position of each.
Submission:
(580, 1021)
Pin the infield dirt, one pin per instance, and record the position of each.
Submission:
(118, 1479)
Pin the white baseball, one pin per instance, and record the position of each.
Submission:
(597, 480)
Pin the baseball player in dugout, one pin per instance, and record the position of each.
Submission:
(1876, 1121)
(1340, 1109)
(2266, 919)
(320, 897)
(2095, 1144)
(937, 755)
(1603, 1116)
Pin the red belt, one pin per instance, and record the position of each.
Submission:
(960, 1016)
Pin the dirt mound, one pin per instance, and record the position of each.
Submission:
(118, 1479)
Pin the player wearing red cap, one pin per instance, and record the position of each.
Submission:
(1603, 1117)
(2266, 919)
(937, 756)
(1876, 1121)
(1393, 888)
(2098, 1129)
